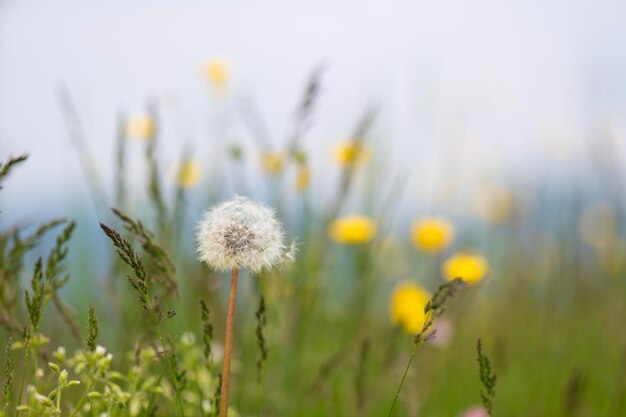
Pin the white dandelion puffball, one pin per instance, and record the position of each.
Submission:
(240, 234)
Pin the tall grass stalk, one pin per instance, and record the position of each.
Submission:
(433, 309)
(23, 378)
(261, 315)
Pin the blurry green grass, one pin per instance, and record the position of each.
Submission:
(541, 332)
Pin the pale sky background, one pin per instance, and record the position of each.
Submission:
(482, 89)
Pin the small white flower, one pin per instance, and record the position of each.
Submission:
(240, 234)
(188, 338)
(100, 351)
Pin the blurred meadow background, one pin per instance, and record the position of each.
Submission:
(402, 145)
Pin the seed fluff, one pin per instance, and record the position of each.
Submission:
(241, 234)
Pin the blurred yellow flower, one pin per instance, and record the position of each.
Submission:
(351, 153)
(353, 229)
(598, 225)
(140, 127)
(216, 72)
(407, 307)
(272, 162)
(469, 267)
(303, 177)
(432, 234)
(188, 174)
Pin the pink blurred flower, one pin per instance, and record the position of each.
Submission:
(443, 333)
(477, 411)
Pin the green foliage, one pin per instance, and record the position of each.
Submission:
(140, 283)
(261, 320)
(105, 390)
(6, 167)
(92, 329)
(56, 257)
(155, 189)
(128, 255)
(359, 379)
(207, 331)
(7, 386)
(35, 301)
(162, 268)
(13, 249)
(487, 378)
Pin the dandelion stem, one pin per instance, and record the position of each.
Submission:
(228, 343)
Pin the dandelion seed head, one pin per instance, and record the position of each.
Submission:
(240, 234)
(290, 254)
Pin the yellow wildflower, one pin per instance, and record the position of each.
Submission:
(470, 268)
(353, 229)
(351, 153)
(432, 234)
(188, 174)
(140, 127)
(216, 72)
(272, 162)
(407, 307)
(303, 177)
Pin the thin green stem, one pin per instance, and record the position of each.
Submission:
(59, 390)
(406, 371)
(153, 396)
(25, 368)
(80, 402)
(168, 361)
(260, 402)
(418, 341)
(90, 385)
